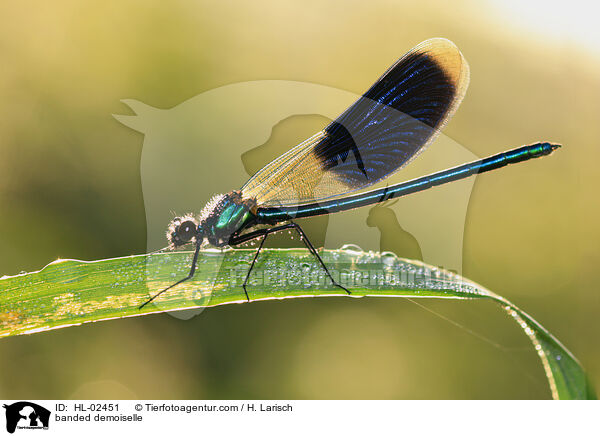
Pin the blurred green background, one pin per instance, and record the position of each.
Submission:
(70, 187)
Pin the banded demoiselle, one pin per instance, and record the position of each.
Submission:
(395, 120)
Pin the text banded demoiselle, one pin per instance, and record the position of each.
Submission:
(384, 130)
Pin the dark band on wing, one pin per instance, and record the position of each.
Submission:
(335, 147)
(392, 121)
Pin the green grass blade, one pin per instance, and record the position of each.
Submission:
(70, 292)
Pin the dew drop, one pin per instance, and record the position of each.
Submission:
(352, 248)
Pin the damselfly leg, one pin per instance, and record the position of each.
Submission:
(264, 233)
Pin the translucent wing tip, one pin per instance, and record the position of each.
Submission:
(450, 59)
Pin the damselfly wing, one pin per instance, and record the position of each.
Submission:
(383, 131)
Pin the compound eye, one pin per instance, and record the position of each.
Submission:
(186, 231)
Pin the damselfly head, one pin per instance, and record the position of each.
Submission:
(182, 230)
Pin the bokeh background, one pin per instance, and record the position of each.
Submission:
(70, 188)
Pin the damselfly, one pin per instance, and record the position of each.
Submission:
(400, 115)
